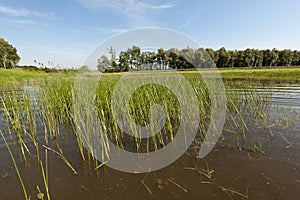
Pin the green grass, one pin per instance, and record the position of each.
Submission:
(20, 76)
(56, 106)
(277, 73)
(243, 75)
(11, 76)
(56, 109)
(263, 73)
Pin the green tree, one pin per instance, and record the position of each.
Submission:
(286, 57)
(124, 61)
(84, 69)
(9, 57)
(233, 57)
(271, 57)
(134, 57)
(104, 64)
(173, 58)
(199, 58)
(161, 58)
(187, 57)
(113, 60)
(296, 58)
(222, 58)
(258, 56)
(213, 54)
(249, 57)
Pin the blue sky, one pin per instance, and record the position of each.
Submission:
(65, 31)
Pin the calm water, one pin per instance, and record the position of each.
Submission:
(272, 171)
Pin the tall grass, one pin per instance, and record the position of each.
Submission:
(55, 103)
(52, 105)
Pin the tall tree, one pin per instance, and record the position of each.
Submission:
(212, 54)
(249, 57)
(222, 58)
(258, 56)
(296, 58)
(233, 57)
(124, 61)
(113, 59)
(134, 58)
(9, 57)
(286, 57)
(187, 57)
(104, 64)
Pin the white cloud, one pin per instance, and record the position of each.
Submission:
(13, 12)
(163, 6)
(109, 30)
(23, 12)
(140, 12)
(126, 5)
(20, 22)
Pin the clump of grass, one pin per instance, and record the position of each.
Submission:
(55, 97)
(14, 110)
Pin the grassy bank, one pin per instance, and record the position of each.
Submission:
(19, 75)
(291, 74)
(282, 73)
(10, 76)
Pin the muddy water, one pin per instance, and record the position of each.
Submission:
(270, 171)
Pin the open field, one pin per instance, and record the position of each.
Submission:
(284, 73)
(18, 75)
(277, 73)
(11, 76)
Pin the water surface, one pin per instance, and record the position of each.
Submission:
(266, 167)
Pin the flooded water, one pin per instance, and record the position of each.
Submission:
(266, 167)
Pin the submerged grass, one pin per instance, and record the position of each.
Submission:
(15, 166)
(52, 106)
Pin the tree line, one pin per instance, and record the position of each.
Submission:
(135, 59)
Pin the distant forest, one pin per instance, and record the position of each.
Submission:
(135, 59)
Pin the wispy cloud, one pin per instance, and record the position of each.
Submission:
(21, 22)
(126, 5)
(13, 12)
(23, 12)
(109, 30)
(163, 6)
(140, 12)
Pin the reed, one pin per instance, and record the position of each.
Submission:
(52, 105)
(15, 166)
